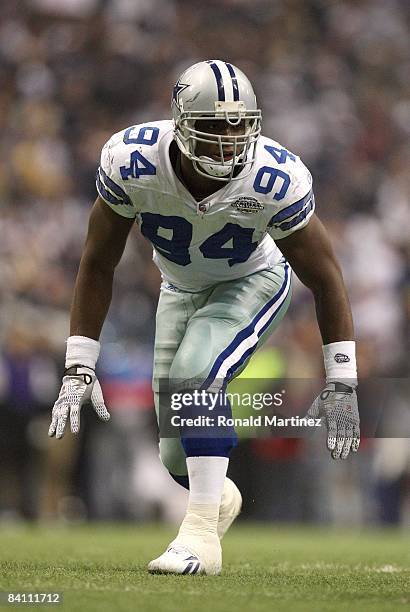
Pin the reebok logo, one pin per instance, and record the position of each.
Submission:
(341, 358)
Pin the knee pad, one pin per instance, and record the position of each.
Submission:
(187, 370)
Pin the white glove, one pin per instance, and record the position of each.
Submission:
(338, 404)
(80, 385)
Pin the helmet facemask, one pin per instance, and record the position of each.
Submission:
(235, 153)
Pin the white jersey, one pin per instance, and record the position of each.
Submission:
(227, 235)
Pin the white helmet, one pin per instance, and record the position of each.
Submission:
(216, 90)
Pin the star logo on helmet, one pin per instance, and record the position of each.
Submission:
(179, 87)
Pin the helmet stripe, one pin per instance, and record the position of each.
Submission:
(234, 82)
(219, 81)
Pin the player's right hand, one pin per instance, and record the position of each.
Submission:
(80, 385)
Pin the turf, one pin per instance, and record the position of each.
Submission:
(266, 568)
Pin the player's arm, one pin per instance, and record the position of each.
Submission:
(104, 246)
(311, 256)
(106, 239)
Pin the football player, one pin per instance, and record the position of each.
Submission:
(229, 213)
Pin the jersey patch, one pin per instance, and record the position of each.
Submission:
(247, 204)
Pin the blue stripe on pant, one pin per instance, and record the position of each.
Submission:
(248, 332)
(248, 338)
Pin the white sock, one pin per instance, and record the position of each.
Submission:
(206, 483)
(206, 479)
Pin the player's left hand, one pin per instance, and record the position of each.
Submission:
(338, 404)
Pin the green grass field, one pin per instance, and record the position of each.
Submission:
(265, 568)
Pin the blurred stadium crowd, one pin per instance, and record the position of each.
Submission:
(333, 81)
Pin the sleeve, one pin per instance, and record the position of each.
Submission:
(296, 213)
(108, 181)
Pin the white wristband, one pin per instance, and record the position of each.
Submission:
(340, 361)
(82, 351)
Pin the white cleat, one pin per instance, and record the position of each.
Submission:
(190, 554)
(231, 504)
(176, 559)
